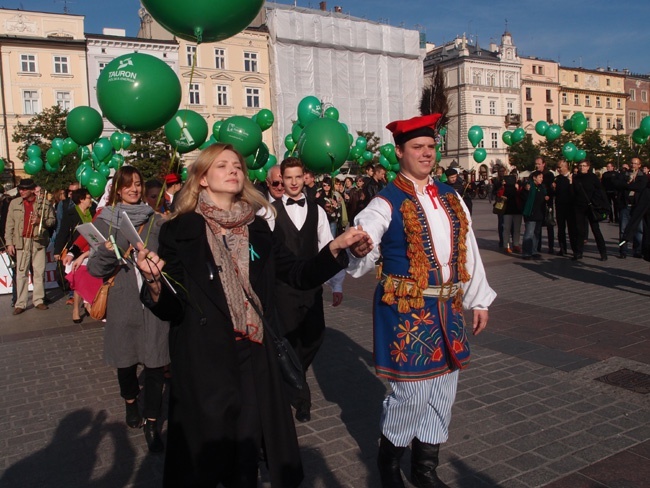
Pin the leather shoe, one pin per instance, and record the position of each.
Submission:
(18, 310)
(41, 306)
(303, 414)
(151, 435)
(133, 418)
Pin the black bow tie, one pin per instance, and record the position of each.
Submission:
(291, 201)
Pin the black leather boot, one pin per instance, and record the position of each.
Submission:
(151, 435)
(388, 463)
(133, 418)
(424, 461)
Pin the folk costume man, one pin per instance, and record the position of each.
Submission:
(303, 227)
(26, 237)
(431, 270)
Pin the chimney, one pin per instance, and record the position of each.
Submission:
(338, 9)
(323, 6)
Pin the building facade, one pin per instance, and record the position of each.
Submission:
(599, 94)
(483, 88)
(42, 63)
(221, 79)
(637, 88)
(540, 89)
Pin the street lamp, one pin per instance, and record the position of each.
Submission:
(618, 127)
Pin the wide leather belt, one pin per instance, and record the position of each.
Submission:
(443, 292)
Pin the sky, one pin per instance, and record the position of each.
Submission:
(576, 33)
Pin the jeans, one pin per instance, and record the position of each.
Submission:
(532, 236)
(624, 218)
(511, 223)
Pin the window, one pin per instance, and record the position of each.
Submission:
(599, 123)
(549, 116)
(598, 104)
(64, 100)
(549, 97)
(493, 107)
(565, 101)
(495, 140)
(643, 115)
(529, 95)
(509, 108)
(28, 63)
(576, 99)
(534, 69)
(477, 107)
(644, 96)
(529, 113)
(540, 70)
(587, 100)
(510, 81)
(619, 105)
(491, 77)
(191, 53)
(219, 58)
(101, 66)
(588, 122)
(222, 95)
(608, 82)
(481, 144)
(575, 78)
(252, 97)
(61, 65)
(632, 120)
(608, 102)
(250, 62)
(609, 123)
(30, 102)
(195, 94)
(619, 124)
(632, 95)
(476, 77)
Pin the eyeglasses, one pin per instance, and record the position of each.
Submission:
(277, 183)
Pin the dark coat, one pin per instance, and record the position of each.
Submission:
(205, 398)
(66, 234)
(588, 190)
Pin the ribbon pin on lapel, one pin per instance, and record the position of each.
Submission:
(253, 253)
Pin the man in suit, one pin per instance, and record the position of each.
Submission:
(303, 227)
(564, 214)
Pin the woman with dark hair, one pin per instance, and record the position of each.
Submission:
(227, 397)
(133, 335)
(80, 213)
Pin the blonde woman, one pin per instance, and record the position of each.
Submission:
(227, 397)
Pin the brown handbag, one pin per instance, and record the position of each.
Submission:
(98, 307)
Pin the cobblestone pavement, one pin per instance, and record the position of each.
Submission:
(529, 412)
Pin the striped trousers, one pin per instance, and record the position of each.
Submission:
(419, 409)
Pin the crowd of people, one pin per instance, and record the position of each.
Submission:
(575, 201)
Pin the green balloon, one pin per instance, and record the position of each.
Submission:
(350, 139)
(204, 20)
(104, 170)
(211, 140)
(388, 151)
(331, 113)
(33, 152)
(102, 148)
(568, 125)
(355, 152)
(541, 127)
(57, 143)
(258, 160)
(367, 155)
(53, 156)
(184, 174)
(385, 163)
(69, 146)
(553, 132)
(83, 152)
(390, 176)
(475, 135)
(361, 142)
(84, 125)
(581, 155)
(258, 174)
(33, 166)
(289, 143)
(507, 138)
(518, 135)
(480, 154)
(86, 174)
(216, 127)
(272, 161)
(95, 184)
(116, 140)
(138, 92)
(186, 131)
(2, 165)
(265, 119)
(639, 137)
(242, 133)
(645, 126)
(569, 151)
(116, 161)
(579, 125)
(309, 109)
(443, 131)
(126, 141)
(50, 168)
(438, 156)
(296, 131)
(323, 146)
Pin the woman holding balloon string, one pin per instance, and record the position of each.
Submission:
(227, 397)
(133, 335)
